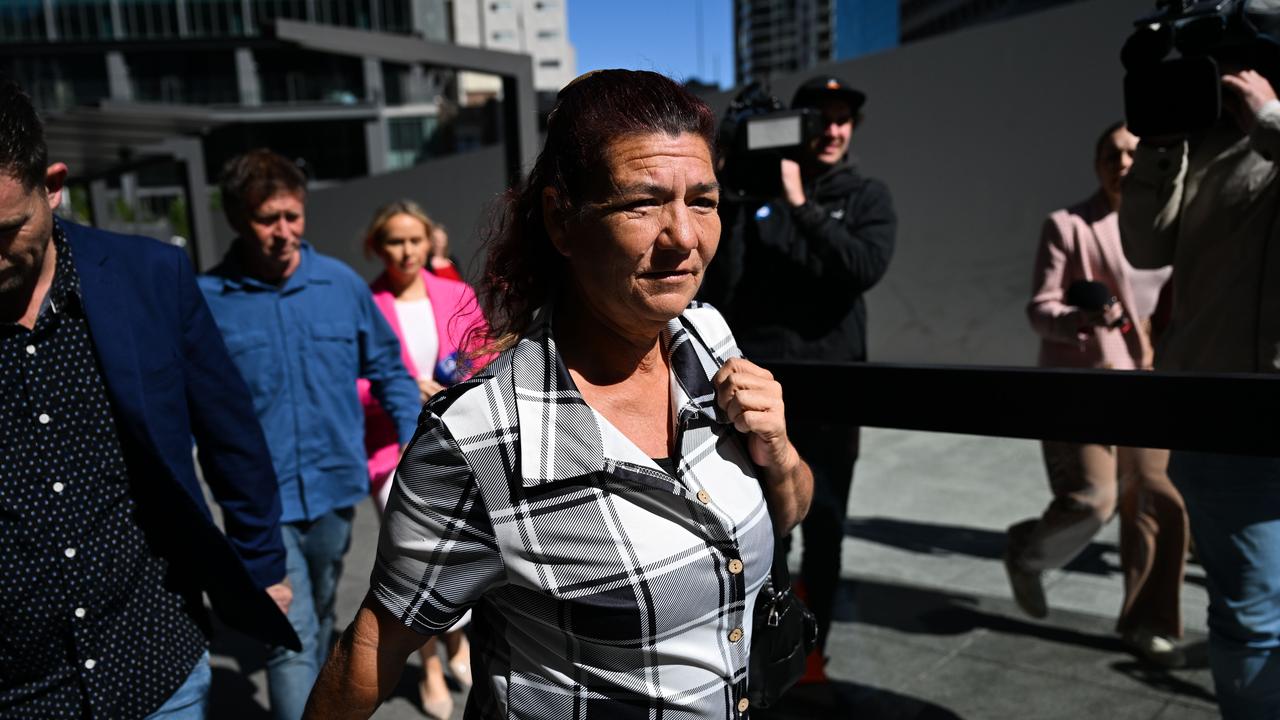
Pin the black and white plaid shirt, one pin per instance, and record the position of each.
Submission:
(602, 586)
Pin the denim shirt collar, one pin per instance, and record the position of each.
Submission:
(235, 279)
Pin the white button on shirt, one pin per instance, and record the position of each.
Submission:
(58, 487)
(69, 552)
(80, 612)
(31, 349)
(44, 418)
(88, 664)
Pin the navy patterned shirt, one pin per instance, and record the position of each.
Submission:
(87, 626)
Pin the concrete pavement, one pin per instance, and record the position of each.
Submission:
(925, 627)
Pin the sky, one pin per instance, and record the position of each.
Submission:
(658, 35)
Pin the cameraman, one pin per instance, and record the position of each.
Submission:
(790, 278)
(1208, 204)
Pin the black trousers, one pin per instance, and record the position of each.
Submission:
(831, 451)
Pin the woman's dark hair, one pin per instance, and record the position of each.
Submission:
(23, 153)
(523, 269)
(251, 179)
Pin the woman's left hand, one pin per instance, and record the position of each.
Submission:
(753, 400)
(427, 387)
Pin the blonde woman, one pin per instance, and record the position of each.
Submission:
(433, 317)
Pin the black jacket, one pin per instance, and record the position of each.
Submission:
(790, 280)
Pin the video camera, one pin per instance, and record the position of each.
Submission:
(1183, 94)
(756, 133)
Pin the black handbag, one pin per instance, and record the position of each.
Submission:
(784, 632)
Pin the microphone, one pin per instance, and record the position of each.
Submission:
(1096, 296)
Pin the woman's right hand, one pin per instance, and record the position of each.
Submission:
(428, 387)
(1106, 317)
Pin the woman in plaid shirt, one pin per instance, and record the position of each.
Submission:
(605, 494)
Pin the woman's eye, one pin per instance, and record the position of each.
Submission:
(641, 204)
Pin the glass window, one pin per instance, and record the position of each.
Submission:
(407, 140)
(22, 21)
(549, 63)
(185, 78)
(146, 19)
(548, 34)
(332, 149)
(215, 18)
(504, 35)
(58, 82)
(297, 76)
(83, 20)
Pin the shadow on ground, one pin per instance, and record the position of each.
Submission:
(844, 699)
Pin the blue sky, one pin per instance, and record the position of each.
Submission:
(656, 35)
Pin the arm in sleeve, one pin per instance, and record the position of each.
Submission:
(232, 449)
(1265, 137)
(855, 249)
(438, 553)
(1151, 205)
(380, 364)
(1050, 317)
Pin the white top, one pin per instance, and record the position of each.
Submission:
(418, 333)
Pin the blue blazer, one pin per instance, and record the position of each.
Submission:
(170, 379)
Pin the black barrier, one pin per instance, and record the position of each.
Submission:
(1237, 414)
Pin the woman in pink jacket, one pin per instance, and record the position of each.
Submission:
(1082, 245)
(433, 317)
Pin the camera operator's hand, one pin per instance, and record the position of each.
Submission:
(792, 185)
(1253, 93)
(1110, 316)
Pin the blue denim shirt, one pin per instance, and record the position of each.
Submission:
(300, 347)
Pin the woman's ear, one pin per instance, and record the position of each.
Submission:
(553, 220)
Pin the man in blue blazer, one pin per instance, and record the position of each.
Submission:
(110, 364)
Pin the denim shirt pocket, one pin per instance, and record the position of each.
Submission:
(252, 354)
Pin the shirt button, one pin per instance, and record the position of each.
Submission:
(58, 487)
(80, 612)
(735, 635)
(31, 349)
(88, 664)
(44, 418)
(735, 566)
(743, 704)
(704, 497)
(69, 552)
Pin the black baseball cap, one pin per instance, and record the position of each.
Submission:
(815, 89)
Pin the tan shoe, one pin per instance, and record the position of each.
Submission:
(1155, 649)
(439, 709)
(1028, 591)
(461, 672)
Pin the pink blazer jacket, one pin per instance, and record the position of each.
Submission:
(456, 312)
(1073, 243)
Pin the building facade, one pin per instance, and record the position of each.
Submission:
(779, 36)
(223, 67)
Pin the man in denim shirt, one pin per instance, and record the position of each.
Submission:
(301, 328)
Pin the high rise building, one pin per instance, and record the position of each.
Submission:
(536, 27)
(779, 36)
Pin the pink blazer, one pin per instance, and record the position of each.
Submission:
(456, 312)
(1074, 242)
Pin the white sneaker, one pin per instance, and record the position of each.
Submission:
(1155, 649)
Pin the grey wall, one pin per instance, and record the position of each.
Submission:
(456, 190)
(979, 135)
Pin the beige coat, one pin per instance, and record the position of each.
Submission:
(1211, 211)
